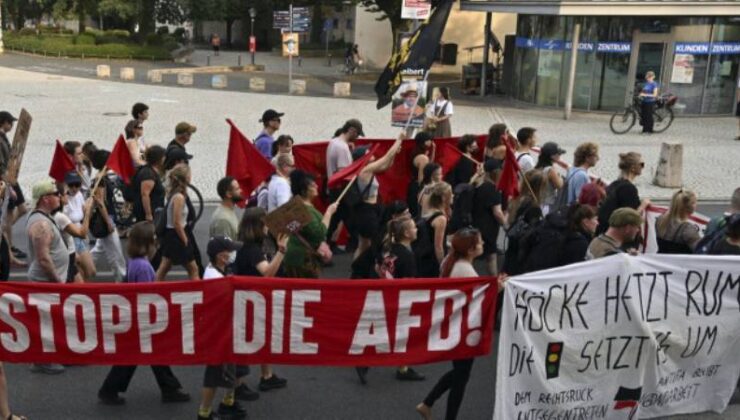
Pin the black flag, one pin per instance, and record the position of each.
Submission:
(417, 54)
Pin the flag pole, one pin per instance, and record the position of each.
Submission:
(346, 189)
(101, 174)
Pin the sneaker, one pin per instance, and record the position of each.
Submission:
(110, 399)
(49, 369)
(234, 410)
(175, 396)
(18, 253)
(362, 373)
(409, 375)
(245, 393)
(274, 382)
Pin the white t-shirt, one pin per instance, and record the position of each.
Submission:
(62, 220)
(439, 104)
(211, 273)
(462, 269)
(75, 208)
(526, 161)
(338, 156)
(278, 193)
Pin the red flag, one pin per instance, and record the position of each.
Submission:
(245, 163)
(61, 163)
(508, 184)
(448, 157)
(347, 173)
(120, 160)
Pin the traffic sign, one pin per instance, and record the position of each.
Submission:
(301, 19)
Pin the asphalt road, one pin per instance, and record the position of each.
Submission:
(312, 392)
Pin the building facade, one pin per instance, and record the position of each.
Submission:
(692, 46)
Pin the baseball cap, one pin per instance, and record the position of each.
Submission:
(185, 127)
(6, 116)
(356, 124)
(42, 188)
(175, 153)
(219, 244)
(72, 177)
(625, 216)
(359, 152)
(492, 165)
(270, 115)
(551, 149)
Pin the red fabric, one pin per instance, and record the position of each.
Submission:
(61, 163)
(449, 157)
(508, 184)
(346, 174)
(120, 160)
(249, 321)
(311, 157)
(620, 405)
(245, 163)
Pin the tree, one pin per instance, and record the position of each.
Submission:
(390, 10)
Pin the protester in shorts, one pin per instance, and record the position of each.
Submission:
(363, 267)
(72, 231)
(140, 248)
(584, 158)
(251, 260)
(271, 121)
(467, 245)
(224, 221)
(134, 132)
(526, 139)
(74, 209)
(178, 244)
(47, 251)
(488, 214)
(673, 231)
(220, 249)
(278, 191)
(74, 151)
(624, 226)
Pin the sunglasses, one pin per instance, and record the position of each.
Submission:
(642, 164)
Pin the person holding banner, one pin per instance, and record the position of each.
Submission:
(622, 192)
(307, 250)
(366, 215)
(467, 245)
(674, 233)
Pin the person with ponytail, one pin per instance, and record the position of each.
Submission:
(674, 232)
(467, 245)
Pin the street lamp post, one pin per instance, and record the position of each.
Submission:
(252, 15)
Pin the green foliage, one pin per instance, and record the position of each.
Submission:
(66, 46)
(163, 30)
(179, 35)
(27, 31)
(124, 9)
(84, 39)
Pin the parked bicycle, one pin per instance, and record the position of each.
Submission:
(623, 120)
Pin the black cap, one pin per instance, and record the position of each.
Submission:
(354, 123)
(270, 115)
(176, 153)
(359, 152)
(6, 116)
(72, 177)
(219, 244)
(492, 165)
(551, 149)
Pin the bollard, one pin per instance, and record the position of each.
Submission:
(103, 70)
(342, 89)
(669, 173)
(257, 84)
(127, 73)
(218, 81)
(154, 76)
(208, 60)
(185, 79)
(298, 87)
(239, 62)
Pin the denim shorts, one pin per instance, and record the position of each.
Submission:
(81, 245)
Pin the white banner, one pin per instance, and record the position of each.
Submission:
(650, 246)
(620, 338)
(416, 9)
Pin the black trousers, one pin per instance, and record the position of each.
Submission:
(119, 378)
(342, 215)
(647, 116)
(4, 259)
(455, 381)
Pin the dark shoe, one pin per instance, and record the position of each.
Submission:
(336, 250)
(409, 375)
(49, 369)
(110, 399)
(245, 393)
(175, 396)
(235, 410)
(272, 383)
(18, 253)
(362, 373)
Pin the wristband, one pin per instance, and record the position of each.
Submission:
(281, 249)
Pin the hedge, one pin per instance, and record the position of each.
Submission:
(80, 46)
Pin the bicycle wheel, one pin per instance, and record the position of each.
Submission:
(622, 121)
(662, 117)
(198, 203)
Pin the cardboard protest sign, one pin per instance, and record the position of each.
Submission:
(23, 126)
(288, 218)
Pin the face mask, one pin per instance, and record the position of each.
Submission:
(232, 257)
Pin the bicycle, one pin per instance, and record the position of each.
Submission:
(623, 120)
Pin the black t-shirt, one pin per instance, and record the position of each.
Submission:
(486, 197)
(722, 247)
(463, 171)
(247, 260)
(620, 193)
(156, 196)
(400, 262)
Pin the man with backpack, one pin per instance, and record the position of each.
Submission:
(717, 229)
(527, 139)
(584, 158)
(624, 226)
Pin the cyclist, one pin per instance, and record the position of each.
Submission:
(649, 95)
(352, 59)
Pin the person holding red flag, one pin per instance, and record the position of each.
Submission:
(242, 150)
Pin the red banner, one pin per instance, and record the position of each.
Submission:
(249, 321)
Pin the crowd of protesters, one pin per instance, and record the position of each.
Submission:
(447, 223)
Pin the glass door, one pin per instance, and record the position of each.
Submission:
(649, 57)
(648, 53)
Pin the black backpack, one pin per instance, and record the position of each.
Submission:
(423, 246)
(542, 247)
(528, 218)
(710, 239)
(356, 196)
(462, 207)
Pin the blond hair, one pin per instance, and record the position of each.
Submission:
(629, 161)
(679, 210)
(177, 179)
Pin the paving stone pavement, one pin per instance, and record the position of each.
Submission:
(70, 108)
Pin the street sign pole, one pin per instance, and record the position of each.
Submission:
(290, 53)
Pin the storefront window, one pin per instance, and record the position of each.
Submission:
(719, 94)
(688, 71)
(526, 65)
(550, 63)
(611, 68)
(585, 64)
